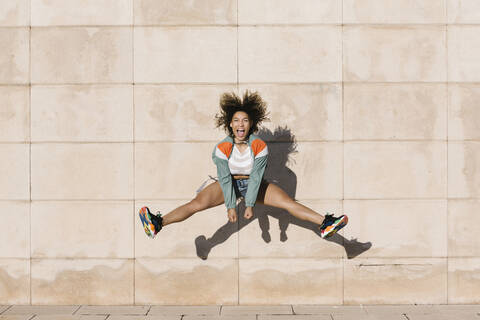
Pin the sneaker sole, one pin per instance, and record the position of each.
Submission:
(146, 222)
(331, 230)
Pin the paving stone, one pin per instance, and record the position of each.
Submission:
(443, 317)
(317, 309)
(295, 317)
(229, 317)
(68, 317)
(352, 316)
(184, 310)
(400, 309)
(160, 317)
(120, 310)
(17, 317)
(243, 310)
(3, 308)
(474, 308)
(41, 310)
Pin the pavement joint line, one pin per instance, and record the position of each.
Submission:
(79, 307)
(9, 307)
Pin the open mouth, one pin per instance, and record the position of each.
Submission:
(241, 133)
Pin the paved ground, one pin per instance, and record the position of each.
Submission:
(284, 312)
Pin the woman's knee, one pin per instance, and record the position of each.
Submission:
(198, 204)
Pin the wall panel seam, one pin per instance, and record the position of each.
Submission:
(238, 89)
(30, 143)
(133, 147)
(447, 143)
(343, 145)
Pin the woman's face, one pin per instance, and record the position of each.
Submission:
(240, 125)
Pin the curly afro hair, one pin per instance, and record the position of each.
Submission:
(252, 104)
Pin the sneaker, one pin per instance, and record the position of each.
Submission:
(152, 224)
(332, 224)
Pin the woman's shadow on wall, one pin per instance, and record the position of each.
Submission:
(281, 146)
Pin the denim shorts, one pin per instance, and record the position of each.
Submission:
(240, 186)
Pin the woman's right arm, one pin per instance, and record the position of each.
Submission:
(224, 178)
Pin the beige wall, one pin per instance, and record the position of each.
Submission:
(108, 105)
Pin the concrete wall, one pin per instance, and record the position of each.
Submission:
(108, 105)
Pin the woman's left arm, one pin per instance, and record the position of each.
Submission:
(256, 176)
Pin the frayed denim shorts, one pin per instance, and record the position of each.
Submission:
(240, 186)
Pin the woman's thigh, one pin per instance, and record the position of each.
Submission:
(272, 195)
(209, 197)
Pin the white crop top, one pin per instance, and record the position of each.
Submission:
(241, 163)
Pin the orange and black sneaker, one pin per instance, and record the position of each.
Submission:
(152, 224)
(332, 224)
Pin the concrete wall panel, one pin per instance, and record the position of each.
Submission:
(196, 12)
(14, 170)
(397, 228)
(463, 280)
(463, 111)
(395, 12)
(82, 281)
(172, 54)
(288, 12)
(82, 171)
(87, 12)
(464, 169)
(395, 111)
(463, 11)
(14, 13)
(14, 229)
(82, 55)
(264, 54)
(463, 228)
(15, 114)
(463, 50)
(376, 170)
(381, 53)
(172, 170)
(315, 171)
(395, 281)
(82, 113)
(186, 281)
(279, 281)
(104, 228)
(15, 281)
(14, 56)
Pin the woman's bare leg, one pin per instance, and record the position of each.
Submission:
(274, 196)
(209, 197)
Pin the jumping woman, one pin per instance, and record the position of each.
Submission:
(241, 159)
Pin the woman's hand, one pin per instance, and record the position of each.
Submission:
(248, 212)
(232, 215)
